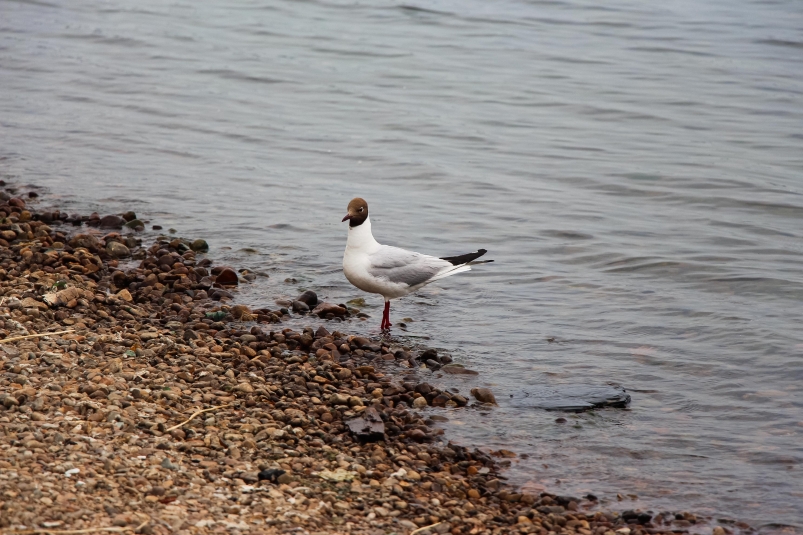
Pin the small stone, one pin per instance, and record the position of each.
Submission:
(338, 399)
(271, 474)
(440, 400)
(117, 250)
(483, 395)
(238, 311)
(309, 298)
(112, 221)
(245, 388)
(328, 308)
(227, 277)
(135, 224)
(125, 295)
(199, 246)
(300, 307)
(343, 374)
(419, 403)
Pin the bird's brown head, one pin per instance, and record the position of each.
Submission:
(357, 212)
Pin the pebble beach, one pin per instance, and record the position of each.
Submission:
(138, 396)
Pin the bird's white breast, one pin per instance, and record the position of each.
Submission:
(356, 260)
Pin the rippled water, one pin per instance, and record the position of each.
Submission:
(635, 168)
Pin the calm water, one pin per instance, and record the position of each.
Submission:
(635, 168)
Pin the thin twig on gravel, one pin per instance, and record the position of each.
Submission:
(14, 339)
(71, 531)
(425, 527)
(188, 420)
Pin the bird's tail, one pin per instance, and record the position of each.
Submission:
(467, 259)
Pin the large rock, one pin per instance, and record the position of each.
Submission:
(368, 427)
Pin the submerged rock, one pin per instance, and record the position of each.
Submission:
(199, 246)
(309, 298)
(483, 395)
(572, 398)
(112, 221)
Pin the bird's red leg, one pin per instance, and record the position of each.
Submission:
(386, 317)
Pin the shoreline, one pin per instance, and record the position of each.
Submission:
(310, 429)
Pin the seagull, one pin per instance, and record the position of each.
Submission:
(390, 271)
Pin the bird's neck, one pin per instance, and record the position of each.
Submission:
(360, 237)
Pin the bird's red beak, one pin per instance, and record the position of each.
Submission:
(346, 218)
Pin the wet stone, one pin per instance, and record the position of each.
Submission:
(112, 221)
(483, 395)
(227, 277)
(309, 298)
(199, 246)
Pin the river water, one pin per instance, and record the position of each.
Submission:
(634, 168)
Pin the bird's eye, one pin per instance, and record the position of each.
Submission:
(360, 210)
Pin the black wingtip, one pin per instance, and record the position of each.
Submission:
(464, 258)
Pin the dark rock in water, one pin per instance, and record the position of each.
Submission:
(135, 224)
(328, 308)
(440, 400)
(445, 359)
(572, 398)
(199, 246)
(227, 277)
(112, 221)
(455, 369)
(129, 216)
(309, 298)
(271, 474)
(423, 388)
(250, 276)
(428, 354)
(300, 307)
(369, 427)
(432, 364)
(636, 517)
(483, 395)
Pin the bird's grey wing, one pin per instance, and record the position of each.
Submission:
(404, 267)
